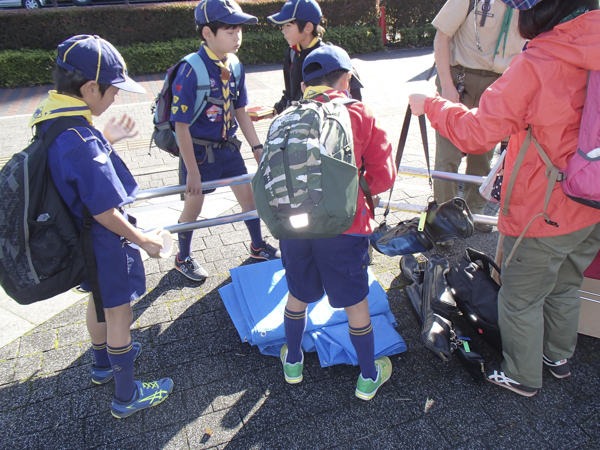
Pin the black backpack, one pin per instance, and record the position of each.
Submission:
(476, 294)
(42, 253)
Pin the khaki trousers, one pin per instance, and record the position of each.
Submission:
(448, 157)
(538, 303)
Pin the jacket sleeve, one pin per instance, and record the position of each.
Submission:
(376, 149)
(503, 110)
(285, 98)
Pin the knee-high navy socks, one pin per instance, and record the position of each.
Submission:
(294, 324)
(100, 355)
(121, 360)
(185, 244)
(253, 226)
(364, 344)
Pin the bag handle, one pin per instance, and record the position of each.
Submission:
(475, 255)
(402, 146)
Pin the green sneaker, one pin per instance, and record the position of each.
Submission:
(366, 389)
(292, 372)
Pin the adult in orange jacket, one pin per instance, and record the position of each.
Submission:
(544, 89)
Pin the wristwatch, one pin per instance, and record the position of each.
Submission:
(257, 147)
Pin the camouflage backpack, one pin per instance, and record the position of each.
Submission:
(307, 183)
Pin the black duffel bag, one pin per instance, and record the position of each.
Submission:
(476, 294)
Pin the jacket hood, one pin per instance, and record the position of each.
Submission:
(576, 42)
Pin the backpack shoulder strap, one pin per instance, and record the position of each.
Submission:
(57, 127)
(202, 82)
(236, 65)
(552, 173)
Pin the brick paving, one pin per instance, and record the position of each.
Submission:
(228, 395)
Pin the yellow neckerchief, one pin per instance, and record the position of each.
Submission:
(225, 76)
(298, 48)
(59, 105)
(314, 91)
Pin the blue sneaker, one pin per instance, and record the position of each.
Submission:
(101, 375)
(146, 395)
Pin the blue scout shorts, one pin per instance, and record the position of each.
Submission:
(227, 164)
(120, 268)
(335, 265)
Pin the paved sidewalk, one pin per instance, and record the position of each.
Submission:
(228, 395)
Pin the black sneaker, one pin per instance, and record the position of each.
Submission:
(266, 253)
(560, 369)
(483, 228)
(494, 374)
(191, 269)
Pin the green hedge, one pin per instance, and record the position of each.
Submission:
(31, 67)
(126, 25)
(403, 14)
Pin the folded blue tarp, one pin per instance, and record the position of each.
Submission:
(256, 301)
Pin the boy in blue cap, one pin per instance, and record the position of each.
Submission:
(88, 173)
(299, 20)
(208, 146)
(338, 265)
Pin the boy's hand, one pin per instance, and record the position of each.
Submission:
(193, 185)
(153, 243)
(417, 103)
(123, 129)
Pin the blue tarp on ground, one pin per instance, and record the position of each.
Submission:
(256, 301)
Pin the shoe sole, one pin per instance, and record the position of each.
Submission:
(367, 397)
(133, 412)
(510, 388)
(554, 374)
(188, 277)
(294, 380)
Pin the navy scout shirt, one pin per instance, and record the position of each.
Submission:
(209, 125)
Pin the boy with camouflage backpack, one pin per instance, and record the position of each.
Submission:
(307, 191)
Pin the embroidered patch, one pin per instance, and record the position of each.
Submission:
(178, 87)
(184, 108)
(214, 113)
(174, 109)
(101, 158)
(175, 100)
(213, 83)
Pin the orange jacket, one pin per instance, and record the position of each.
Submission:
(373, 149)
(544, 87)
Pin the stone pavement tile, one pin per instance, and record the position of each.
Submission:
(7, 371)
(339, 427)
(65, 435)
(558, 430)
(70, 316)
(37, 342)
(72, 334)
(43, 415)
(212, 429)
(27, 366)
(43, 387)
(96, 428)
(93, 401)
(13, 396)
(205, 323)
(248, 360)
(224, 266)
(505, 410)
(473, 444)
(185, 308)
(266, 412)
(177, 330)
(296, 434)
(420, 433)
(55, 360)
(152, 315)
(170, 412)
(10, 351)
(517, 436)
(463, 423)
(196, 403)
(243, 392)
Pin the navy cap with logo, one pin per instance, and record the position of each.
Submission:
(98, 60)
(521, 4)
(307, 10)
(329, 58)
(226, 11)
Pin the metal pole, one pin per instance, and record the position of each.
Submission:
(189, 226)
(398, 206)
(445, 176)
(173, 190)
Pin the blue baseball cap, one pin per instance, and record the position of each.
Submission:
(307, 10)
(330, 58)
(226, 11)
(521, 4)
(98, 60)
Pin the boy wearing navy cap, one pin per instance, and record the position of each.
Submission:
(88, 173)
(338, 265)
(208, 146)
(299, 20)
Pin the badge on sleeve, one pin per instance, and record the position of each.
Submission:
(184, 108)
(174, 109)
